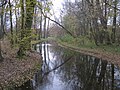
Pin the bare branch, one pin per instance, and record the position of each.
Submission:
(105, 3)
(113, 6)
(3, 3)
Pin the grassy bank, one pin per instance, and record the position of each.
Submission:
(85, 43)
(104, 52)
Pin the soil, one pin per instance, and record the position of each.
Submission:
(110, 57)
(15, 71)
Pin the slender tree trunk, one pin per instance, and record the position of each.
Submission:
(35, 13)
(16, 22)
(44, 27)
(1, 35)
(23, 16)
(40, 31)
(5, 20)
(2, 23)
(1, 30)
(11, 23)
(1, 57)
(35, 22)
(21, 48)
(48, 28)
(114, 22)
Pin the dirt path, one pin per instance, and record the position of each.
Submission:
(13, 71)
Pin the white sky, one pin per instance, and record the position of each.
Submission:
(57, 5)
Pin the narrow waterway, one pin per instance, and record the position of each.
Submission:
(64, 69)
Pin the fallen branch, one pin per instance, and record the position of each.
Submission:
(55, 22)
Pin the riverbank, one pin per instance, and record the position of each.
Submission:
(99, 53)
(14, 71)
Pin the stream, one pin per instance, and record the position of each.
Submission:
(63, 69)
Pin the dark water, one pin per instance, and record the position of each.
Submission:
(63, 69)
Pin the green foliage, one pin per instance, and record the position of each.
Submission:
(38, 66)
(71, 23)
(80, 41)
(110, 48)
(47, 9)
(67, 38)
(26, 40)
(84, 42)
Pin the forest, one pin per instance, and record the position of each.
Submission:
(93, 22)
(91, 27)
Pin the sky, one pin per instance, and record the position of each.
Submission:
(57, 5)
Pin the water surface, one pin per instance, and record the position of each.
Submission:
(64, 69)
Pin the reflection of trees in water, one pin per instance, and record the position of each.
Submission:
(81, 72)
(52, 63)
(47, 62)
(88, 73)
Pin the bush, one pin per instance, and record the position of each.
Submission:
(67, 38)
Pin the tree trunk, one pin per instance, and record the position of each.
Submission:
(114, 22)
(21, 48)
(40, 31)
(11, 23)
(30, 4)
(26, 25)
(1, 30)
(1, 57)
(16, 22)
(44, 27)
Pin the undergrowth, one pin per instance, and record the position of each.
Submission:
(84, 42)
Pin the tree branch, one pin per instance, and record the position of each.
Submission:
(105, 3)
(113, 6)
(3, 3)
(56, 22)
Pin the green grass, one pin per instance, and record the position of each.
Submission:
(85, 43)
(110, 48)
